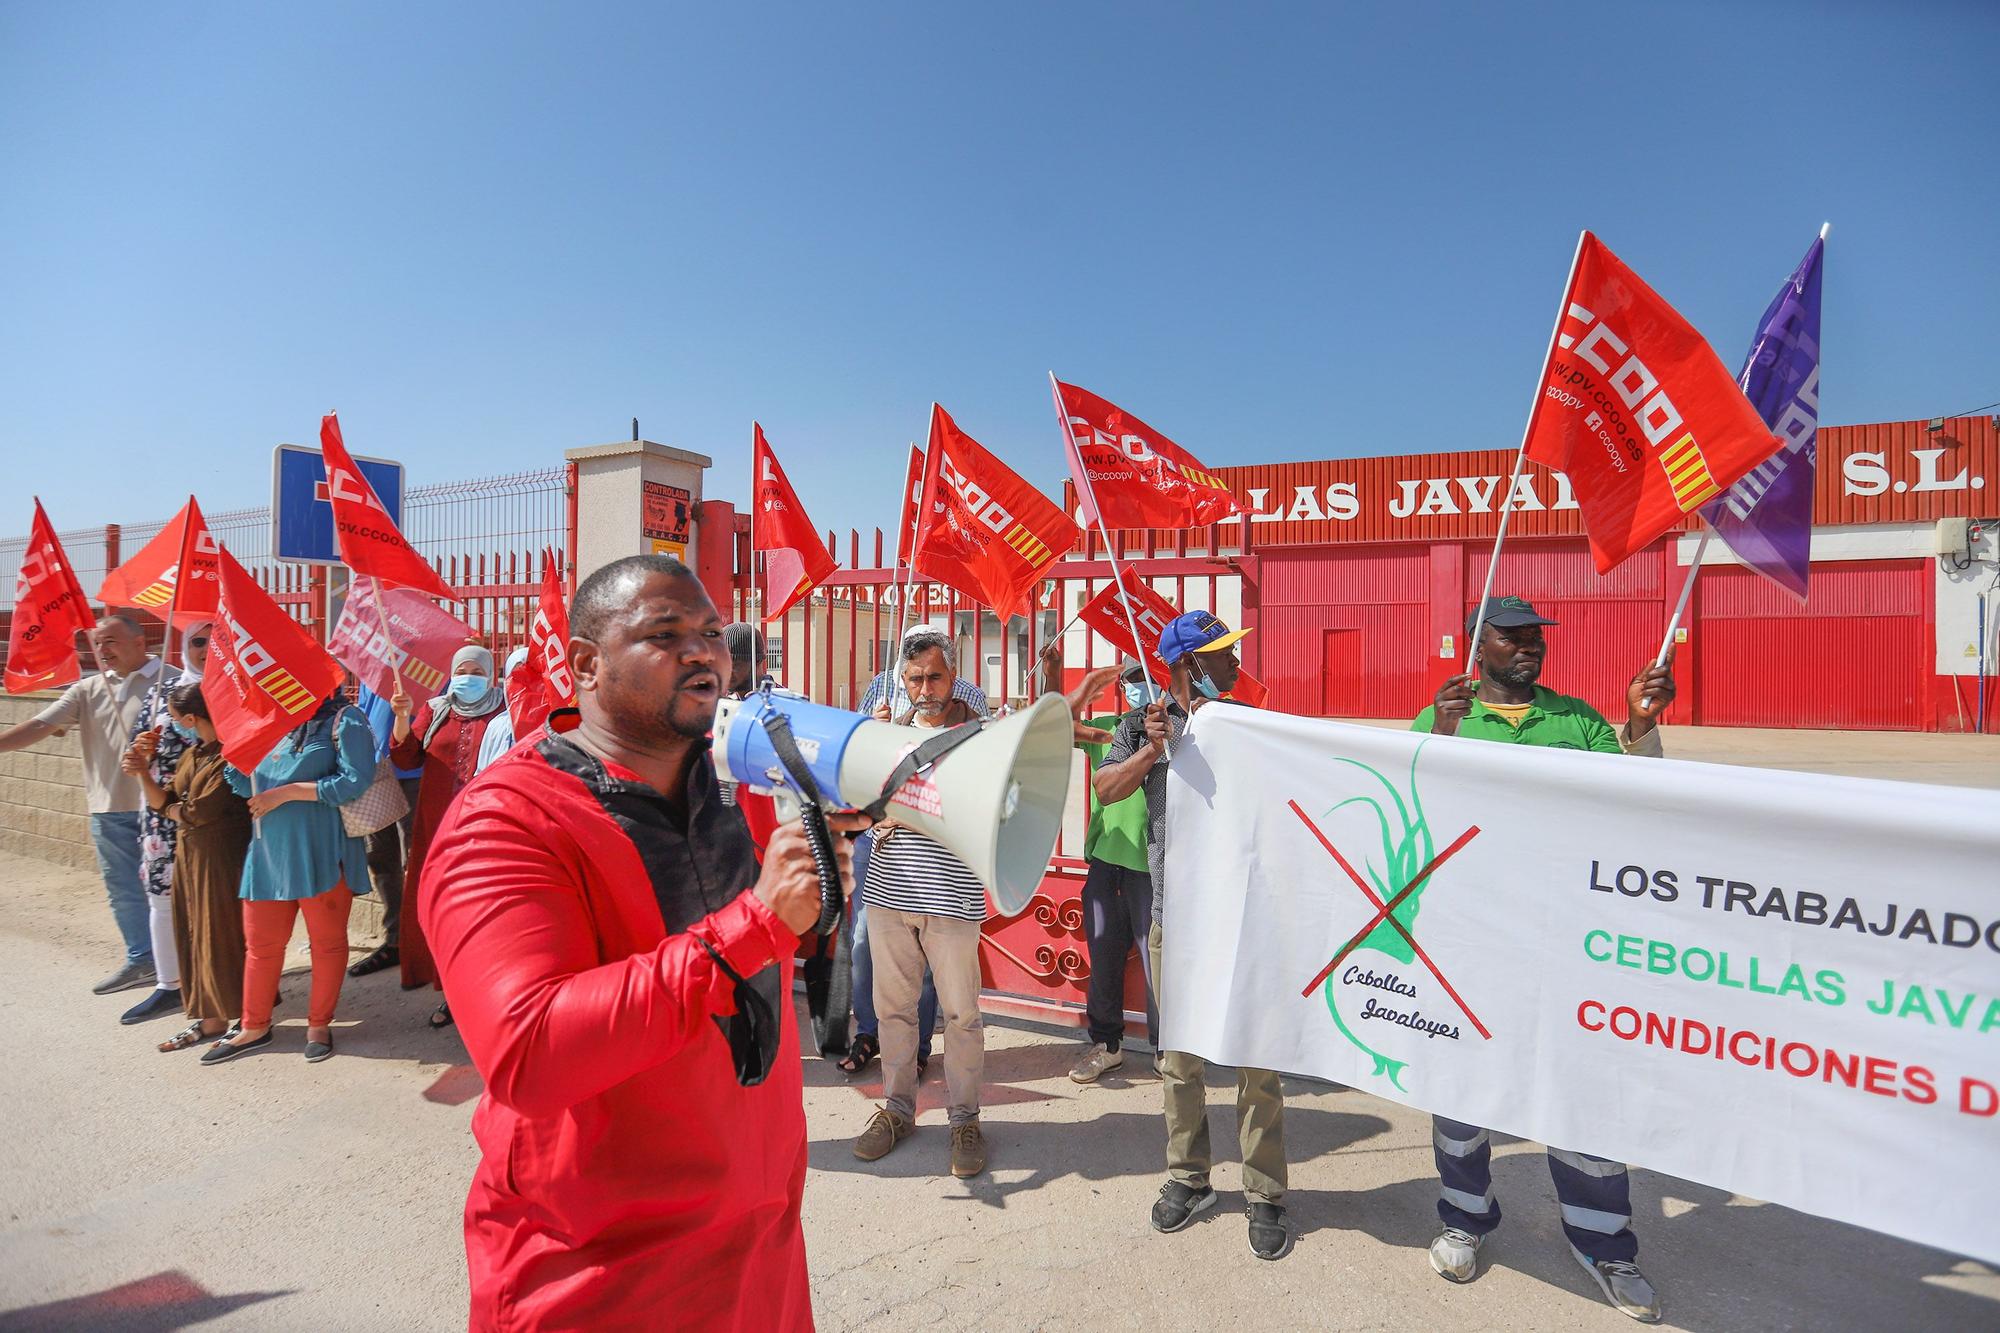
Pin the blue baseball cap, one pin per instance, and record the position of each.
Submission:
(1195, 632)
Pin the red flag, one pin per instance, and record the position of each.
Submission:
(265, 674)
(1138, 477)
(1637, 410)
(794, 557)
(174, 570)
(984, 530)
(418, 644)
(370, 542)
(1107, 613)
(50, 610)
(543, 682)
(913, 499)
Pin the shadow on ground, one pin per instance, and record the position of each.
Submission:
(163, 1301)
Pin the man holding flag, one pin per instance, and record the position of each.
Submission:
(1508, 705)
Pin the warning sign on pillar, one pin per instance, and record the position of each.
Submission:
(663, 518)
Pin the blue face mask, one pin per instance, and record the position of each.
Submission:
(468, 689)
(1135, 695)
(1204, 685)
(188, 734)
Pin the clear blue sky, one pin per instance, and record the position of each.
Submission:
(490, 232)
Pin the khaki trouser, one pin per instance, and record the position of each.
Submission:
(901, 943)
(1260, 1115)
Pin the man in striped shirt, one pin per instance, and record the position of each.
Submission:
(924, 909)
(878, 694)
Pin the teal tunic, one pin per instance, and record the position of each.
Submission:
(301, 849)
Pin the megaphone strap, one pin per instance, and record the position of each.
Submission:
(919, 759)
(778, 729)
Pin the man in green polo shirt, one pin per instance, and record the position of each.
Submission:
(1506, 704)
(1117, 897)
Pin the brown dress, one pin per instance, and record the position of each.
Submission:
(214, 837)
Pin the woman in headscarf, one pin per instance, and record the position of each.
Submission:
(212, 826)
(154, 751)
(500, 735)
(443, 735)
(302, 862)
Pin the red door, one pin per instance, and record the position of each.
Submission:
(1342, 691)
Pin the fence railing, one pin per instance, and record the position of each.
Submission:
(484, 536)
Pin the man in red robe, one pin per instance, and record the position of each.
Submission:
(621, 973)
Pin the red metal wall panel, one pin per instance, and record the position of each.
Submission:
(1610, 625)
(1903, 471)
(1857, 656)
(1378, 594)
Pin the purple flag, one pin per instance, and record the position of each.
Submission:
(1767, 516)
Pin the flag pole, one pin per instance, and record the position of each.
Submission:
(1110, 552)
(382, 618)
(895, 656)
(173, 608)
(1520, 458)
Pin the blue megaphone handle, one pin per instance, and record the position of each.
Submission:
(821, 732)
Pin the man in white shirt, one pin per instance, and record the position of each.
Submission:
(102, 710)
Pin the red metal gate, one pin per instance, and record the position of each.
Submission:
(832, 644)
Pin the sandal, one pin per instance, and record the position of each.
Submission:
(440, 1016)
(861, 1053)
(191, 1035)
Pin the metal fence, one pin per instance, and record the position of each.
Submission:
(485, 537)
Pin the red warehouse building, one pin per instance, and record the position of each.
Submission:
(1358, 573)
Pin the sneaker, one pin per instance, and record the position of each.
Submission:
(1178, 1204)
(128, 977)
(968, 1150)
(155, 1004)
(885, 1130)
(1270, 1238)
(1101, 1060)
(1455, 1255)
(1624, 1286)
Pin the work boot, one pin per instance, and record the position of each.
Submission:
(885, 1130)
(968, 1150)
(1270, 1237)
(1178, 1204)
(133, 974)
(1101, 1060)
(1455, 1255)
(1624, 1286)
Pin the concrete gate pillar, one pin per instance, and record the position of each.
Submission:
(636, 498)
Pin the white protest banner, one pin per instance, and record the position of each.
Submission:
(1784, 985)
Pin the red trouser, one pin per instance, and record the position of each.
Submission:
(267, 929)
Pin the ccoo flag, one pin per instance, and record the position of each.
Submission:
(370, 542)
(177, 570)
(1767, 516)
(795, 559)
(913, 501)
(265, 674)
(50, 610)
(1128, 475)
(1636, 410)
(543, 683)
(984, 530)
(1129, 600)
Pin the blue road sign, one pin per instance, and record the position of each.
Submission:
(301, 516)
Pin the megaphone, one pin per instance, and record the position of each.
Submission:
(992, 795)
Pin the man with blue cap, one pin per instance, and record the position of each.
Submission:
(1200, 652)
